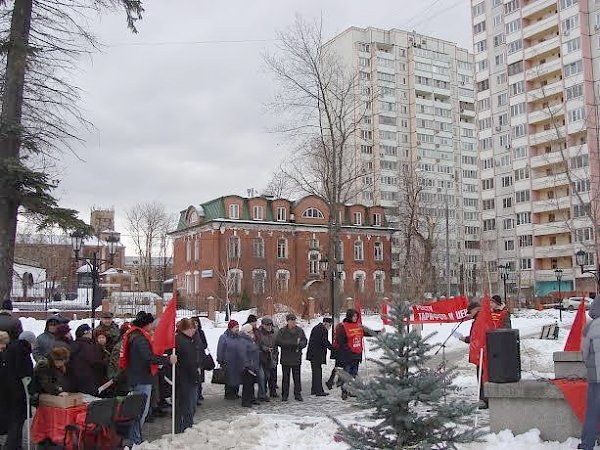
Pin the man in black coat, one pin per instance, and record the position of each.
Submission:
(292, 340)
(8, 323)
(318, 343)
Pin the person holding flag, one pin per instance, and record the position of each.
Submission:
(141, 362)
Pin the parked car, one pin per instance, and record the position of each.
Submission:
(572, 303)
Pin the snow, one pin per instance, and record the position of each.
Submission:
(294, 432)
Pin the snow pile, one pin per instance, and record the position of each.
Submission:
(526, 441)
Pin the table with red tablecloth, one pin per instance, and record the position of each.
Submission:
(50, 422)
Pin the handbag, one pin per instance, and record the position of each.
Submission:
(218, 375)
(208, 363)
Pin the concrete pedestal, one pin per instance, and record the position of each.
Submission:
(529, 404)
(569, 365)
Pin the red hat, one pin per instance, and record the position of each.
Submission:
(232, 324)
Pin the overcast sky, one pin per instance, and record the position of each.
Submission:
(182, 122)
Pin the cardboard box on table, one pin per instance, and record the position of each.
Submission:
(61, 401)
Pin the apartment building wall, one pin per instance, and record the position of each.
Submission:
(535, 66)
(418, 102)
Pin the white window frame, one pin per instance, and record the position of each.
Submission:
(313, 213)
(357, 218)
(281, 214)
(258, 212)
(234, 211)
(359, 250)
(282, 248)
(378, 251)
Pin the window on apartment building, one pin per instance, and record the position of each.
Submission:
(522, 174)
(588, 260)
(521, 152)
(576, 114)
(581, 210)
(478, 9)
(487, 184)
(507, 181)
(366, 134)
(480, 46)
(234, 247)
(584, 234)
(358, 250)
(523, 218)
(564, 4)
(385, 120)
(313, 213)
(515, 68)
(364, 76)
(502, 99)
(499, 39)
(570, 23)
(573, 68)
(580, 161)
(503, 120)
(507, 202)
(489, 224)
(482, 65)
(258, 247)
(522, 196)
(258, 213)
(281, 214)
(511, 6)
(483, 104)
(488, 204)
(364, 62)
(518, 109)
(509, 245)
(573, 45)
(362, 47)
(485, 123)
(283, 280)
(574, 91)
(503, 141)
(526, 240)
(508, 224)
(519, 130)
(517, 88)
(366, 149)
(479, 27)
(387, 77)
(512, 26)
(525, 263)
(514, 46)
(234, 211)
(501, 78)
(482, 85)
(282, 248)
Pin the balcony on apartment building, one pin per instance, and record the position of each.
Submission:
(550, 275)
(549, 180)
(546, 91)
(551, 204)
(543, 69)
(550, 158)
(542, 24)
(549, 113)
(551, 228)
(554, 251)
(535, 6)
(541, 47)
(549, 135)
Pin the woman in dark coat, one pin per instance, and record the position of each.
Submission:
(231, 354)
(186, 375)
(251, 365)
(50, 374)
(201, 345)
(87, 367)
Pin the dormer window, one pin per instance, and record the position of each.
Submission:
(357, 218)
(281, 214)
(376, 220)
(313, 213)
(234, 211)
(258, 213)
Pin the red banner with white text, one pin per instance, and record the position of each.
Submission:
(453, 309)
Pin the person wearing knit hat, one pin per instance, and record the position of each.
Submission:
(231, 356)
(86, 370)
(251, 365)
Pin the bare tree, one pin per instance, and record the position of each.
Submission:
(148, 225)
(321, 110)
(41, 41)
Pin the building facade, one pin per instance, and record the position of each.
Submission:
(419, 129)
(262, 251)
(536, 66)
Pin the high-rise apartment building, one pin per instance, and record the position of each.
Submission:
(419, 134)
(536, 66)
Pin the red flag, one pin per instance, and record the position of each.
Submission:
(483, 323)
(164, 335)
(573, 343)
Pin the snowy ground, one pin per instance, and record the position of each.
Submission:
(282, 431)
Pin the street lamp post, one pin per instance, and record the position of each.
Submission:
(333, 273)
(504, 271)
(581, 259)
(94, 265)
(559, 274)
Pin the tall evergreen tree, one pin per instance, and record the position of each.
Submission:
(408, 405)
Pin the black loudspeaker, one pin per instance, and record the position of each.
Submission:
(503, 356)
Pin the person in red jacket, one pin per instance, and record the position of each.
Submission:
(500, 313)
(349, 342)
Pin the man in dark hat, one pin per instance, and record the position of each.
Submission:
(500, 313)
(292, 340)
(109, 328)
(141, 364)
(8, 323)
(318, 344)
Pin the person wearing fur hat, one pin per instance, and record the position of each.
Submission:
(231, 355)
(292, 340)
(141, 364)
(87, 368)
(251, 365)
(269, 358)
(109, 328)
(500, 313)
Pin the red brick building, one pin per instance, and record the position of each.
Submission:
(267, 251)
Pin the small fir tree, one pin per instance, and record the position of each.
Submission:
(409, 405)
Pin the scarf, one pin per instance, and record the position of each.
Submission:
(124, 351)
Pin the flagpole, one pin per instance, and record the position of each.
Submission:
(173, 397)
(479, 375)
